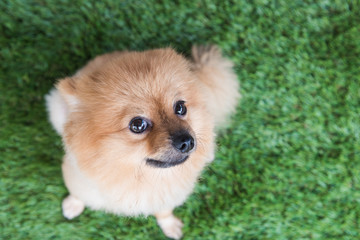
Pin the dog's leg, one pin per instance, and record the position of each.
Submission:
(170, 225)
(72, 207)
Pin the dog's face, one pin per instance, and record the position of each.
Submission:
(170, 138)
(136, 110)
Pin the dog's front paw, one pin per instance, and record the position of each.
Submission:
(72, 207)
(170, 225)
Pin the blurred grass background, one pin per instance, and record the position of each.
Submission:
(287, 168)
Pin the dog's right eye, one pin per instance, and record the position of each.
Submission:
(180, 108)
(138, 125)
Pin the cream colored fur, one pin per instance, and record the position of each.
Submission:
(105, 171)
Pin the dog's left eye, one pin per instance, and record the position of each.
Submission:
(180, 108)
(138, 125)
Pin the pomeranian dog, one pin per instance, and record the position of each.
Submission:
(139, 127)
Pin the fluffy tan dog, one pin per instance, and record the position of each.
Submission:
(138, 128)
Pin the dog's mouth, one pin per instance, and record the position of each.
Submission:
(165, 164)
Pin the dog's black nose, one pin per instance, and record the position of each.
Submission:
(183, 142)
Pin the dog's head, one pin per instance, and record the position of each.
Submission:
(136, 108)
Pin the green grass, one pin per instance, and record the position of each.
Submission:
(288, 167)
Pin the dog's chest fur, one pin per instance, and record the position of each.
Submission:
(143, 193)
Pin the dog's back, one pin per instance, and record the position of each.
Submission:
(57, 109)
(218, 81)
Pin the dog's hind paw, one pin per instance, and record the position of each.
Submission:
(72, 207)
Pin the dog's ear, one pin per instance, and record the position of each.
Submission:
(67, 89)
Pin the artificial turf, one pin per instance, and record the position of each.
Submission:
(287, 167)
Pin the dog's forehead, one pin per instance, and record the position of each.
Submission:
(152, 74)
(151, 80)
(154, 70)
(153, 102)
(152, 105)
